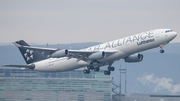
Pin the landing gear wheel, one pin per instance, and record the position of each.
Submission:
(85, 71)
(161, 51)
(107, 72)
(96, 69)
(111, 68)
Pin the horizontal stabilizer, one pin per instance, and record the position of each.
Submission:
(32, 66)
(34, 48)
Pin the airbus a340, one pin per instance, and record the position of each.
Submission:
(94, 57)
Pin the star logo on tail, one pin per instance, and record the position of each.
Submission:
(28, 55)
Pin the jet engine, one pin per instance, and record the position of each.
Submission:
(134, 58)
(97, 55)
(60, 53)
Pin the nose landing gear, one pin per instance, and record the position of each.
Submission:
(161, 46)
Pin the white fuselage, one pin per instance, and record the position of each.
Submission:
(125, 46)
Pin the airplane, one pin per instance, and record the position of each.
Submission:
(92, 58)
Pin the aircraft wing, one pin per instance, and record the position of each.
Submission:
(83, 55)
(87, 53)
(71, 53)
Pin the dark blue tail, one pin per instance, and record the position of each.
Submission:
(30, 56)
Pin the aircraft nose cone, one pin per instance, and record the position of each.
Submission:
(174, 34)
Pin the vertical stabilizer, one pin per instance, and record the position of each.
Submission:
(29, 56)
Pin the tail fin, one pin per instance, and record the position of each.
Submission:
(29, 56)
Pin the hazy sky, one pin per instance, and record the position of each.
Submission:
(72, 21)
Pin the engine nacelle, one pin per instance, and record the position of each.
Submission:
(60, 53)
(134, 58)
(97, 55)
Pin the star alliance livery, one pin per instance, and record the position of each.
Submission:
(60, 60)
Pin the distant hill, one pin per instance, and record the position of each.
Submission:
(157, 73)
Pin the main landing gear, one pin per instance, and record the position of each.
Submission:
(87, 71)
(106, 72)
(161, 46)
(110, 68)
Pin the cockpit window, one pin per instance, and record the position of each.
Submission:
(168, 31)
